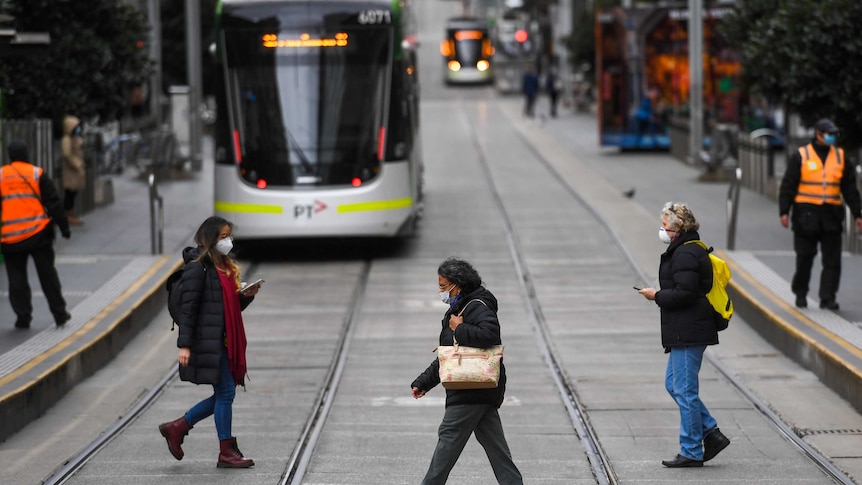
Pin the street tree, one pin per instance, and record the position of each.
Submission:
(97, 56)
(805, 55)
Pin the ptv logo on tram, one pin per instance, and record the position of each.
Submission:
(307, 210)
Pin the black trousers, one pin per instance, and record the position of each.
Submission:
(69, 199)
(20, 295)
(805, 245)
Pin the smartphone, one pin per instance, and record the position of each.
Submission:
(637, 288)
(252, 285)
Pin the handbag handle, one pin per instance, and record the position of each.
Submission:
(459, 314)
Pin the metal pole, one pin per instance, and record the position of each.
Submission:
(157, 219)
(733, 208)
(695, 72)
(564, 29)
(154, 14)
(195, 79)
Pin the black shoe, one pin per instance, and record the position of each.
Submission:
(682, 462)
(829, 305)
(713, 442)
(801, 301)
(22, 322)
(62, 319)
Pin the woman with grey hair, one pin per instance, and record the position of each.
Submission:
(471, 319)
(687, 328)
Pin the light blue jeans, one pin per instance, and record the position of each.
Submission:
(219, 405)
(681, 382)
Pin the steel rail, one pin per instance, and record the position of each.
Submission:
(596, 456)
(296, 467)
(762, 406)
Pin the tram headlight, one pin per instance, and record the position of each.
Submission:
(454, 66)
(483, 65)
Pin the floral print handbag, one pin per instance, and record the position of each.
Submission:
(464, 367)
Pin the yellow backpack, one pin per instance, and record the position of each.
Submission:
(717, 295)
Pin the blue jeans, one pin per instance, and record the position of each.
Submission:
(219, 405)
(683, 365)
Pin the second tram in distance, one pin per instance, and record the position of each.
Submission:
(317, 129)
(467, 52)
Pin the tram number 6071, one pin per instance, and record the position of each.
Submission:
(375, 17)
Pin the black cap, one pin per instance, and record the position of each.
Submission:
(17, 150)
(826, 125)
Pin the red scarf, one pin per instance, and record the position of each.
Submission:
(233, 328)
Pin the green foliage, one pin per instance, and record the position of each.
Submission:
(97, 54)
(806, 55)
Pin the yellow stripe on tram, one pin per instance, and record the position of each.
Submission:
(248, 208)
(375, 205)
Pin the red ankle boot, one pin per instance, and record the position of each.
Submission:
(174, 432)
(231, 457)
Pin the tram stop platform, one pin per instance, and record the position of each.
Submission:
(114, 284)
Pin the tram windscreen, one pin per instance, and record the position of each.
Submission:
(468, 45)
(307, 97)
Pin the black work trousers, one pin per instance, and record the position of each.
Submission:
(20, 295)
(805, 245)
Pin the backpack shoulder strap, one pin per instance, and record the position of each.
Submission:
(701, 244)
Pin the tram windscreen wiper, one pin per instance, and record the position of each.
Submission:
(293, 146)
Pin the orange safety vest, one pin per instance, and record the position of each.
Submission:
(820, 182)
(23, 213)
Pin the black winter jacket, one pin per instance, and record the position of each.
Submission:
(480, 329)
(202, 319)
(685, 277)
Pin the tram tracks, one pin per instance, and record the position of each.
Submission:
(601, 466)
(296, 466)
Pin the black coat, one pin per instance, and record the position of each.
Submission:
(685, 277)
(201, 321)
(480, 329)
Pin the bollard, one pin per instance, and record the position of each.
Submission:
(732, 208)
(157, 218)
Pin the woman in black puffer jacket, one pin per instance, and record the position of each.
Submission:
(687, 328)
(468, 411)
(212, 338)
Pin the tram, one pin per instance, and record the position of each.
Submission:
(467, 52)
(317, 127)
(642, 74)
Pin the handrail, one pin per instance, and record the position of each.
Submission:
(157, 225)
(733, 207)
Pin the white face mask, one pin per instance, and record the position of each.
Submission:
(223, 246)
(444, 295)
(663, 235)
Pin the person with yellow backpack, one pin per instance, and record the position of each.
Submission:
(688, 326)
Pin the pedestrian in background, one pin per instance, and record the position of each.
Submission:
(212, 340)
(530, 88)
(687, 328)
(30, 209)
(552, 87)
(74, 167)
(468, 411)
(816, 178)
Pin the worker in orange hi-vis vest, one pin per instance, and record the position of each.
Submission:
(810, 198)
(30, 209)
